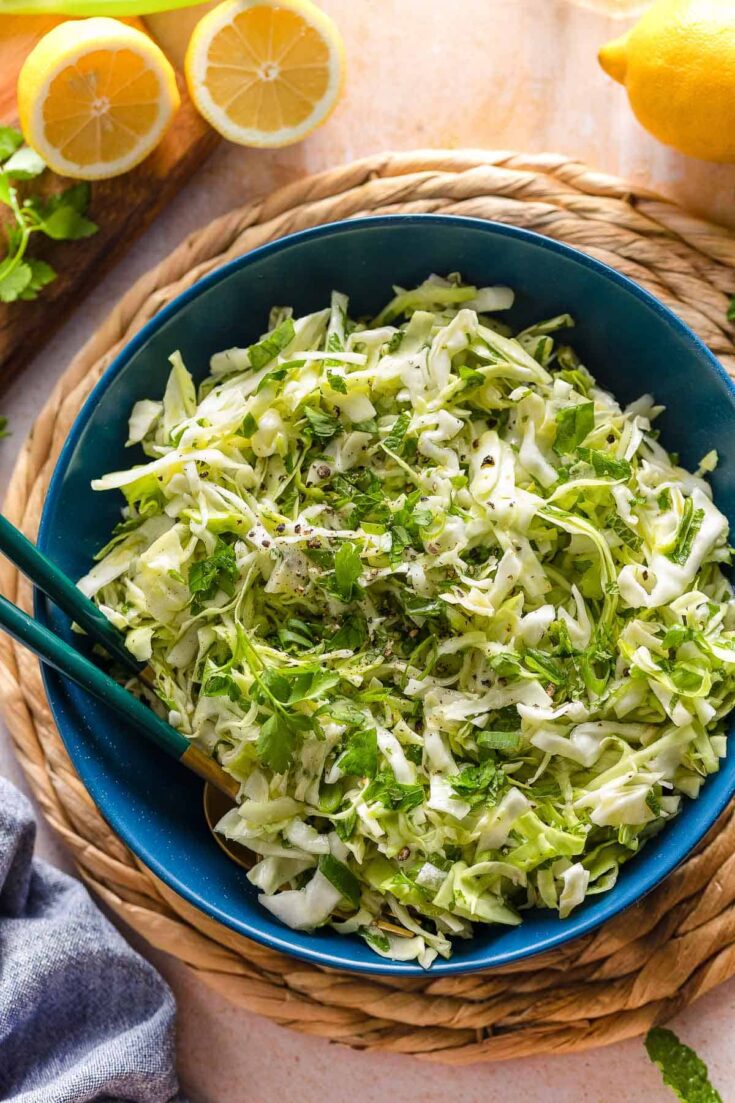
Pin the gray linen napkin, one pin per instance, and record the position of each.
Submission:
(82, 1016)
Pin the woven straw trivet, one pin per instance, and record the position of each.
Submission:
(612, 984)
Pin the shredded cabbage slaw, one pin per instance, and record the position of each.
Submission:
(455, 620)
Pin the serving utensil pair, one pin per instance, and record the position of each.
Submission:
(220, 790)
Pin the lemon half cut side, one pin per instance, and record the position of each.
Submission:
(265, 72)
(95, 97)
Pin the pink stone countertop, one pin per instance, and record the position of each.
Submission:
(510, 74)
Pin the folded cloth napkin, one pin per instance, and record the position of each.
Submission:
(82, 1016)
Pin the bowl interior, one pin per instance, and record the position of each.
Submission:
(629, 342)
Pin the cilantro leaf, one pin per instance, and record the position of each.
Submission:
(681, 1068)
(341, 877)
(347, 569)
(271, 345)
(217, 572)
(573, 424)
(360, 756)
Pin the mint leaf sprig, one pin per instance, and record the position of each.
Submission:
(61, 217)
(681, 1068)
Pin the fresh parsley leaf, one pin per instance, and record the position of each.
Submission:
(676, 636)
(347, 569)
(276, 685)
(395, 342)
(653, 801)
(277, 742)
(393, 794)
(360, 756)
(309, 685)
(341, 877)
(275, 375)
(322, 425)
(222, 685)
(626, 534)
(351, 635)
(10, 140)
(337, 382)
(471, 376)
(345, 828)
(681, 1068)
(296, 635)
(605, 466)
(479, 783)
(573, 424)
(689, 526)
(376, 939)
(42, 274)
(417, 606)
(394, 439)
(217, 572)
(61, 216)
(15, 282)
(249, 425)
(664, 499)
(271, 345)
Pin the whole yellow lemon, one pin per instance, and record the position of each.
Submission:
(678, 66)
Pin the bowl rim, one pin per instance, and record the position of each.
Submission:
(610, 904)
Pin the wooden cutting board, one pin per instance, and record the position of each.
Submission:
(122, 207)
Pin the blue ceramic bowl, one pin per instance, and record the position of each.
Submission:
(629, 341)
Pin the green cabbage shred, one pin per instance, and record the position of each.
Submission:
(453, 617)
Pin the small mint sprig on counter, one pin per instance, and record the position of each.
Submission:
(61, 217)
(681, 1068)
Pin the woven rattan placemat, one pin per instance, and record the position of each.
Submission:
(613, 984)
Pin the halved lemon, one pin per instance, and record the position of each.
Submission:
(95, 96)
(265, 72)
